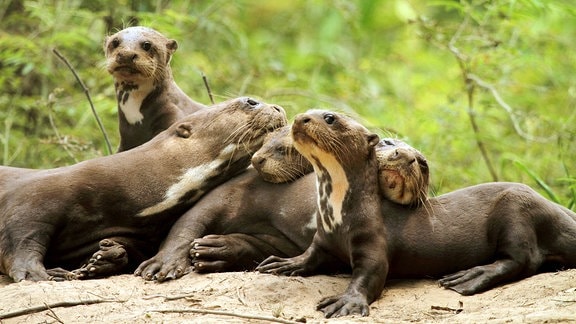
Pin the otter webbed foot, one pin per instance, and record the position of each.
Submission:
(342, 305)
(59, 274)
(481, 278)
(234, 252)
(165, 266)
(295, 266)
(110, 259)
(216, 253)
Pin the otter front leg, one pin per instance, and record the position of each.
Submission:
(480, 278)
(23, 245)
(365, 287)
(518, 247)
(370, 269)
(304, 264)
(28, 267)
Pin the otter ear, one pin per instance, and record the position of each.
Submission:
(184, 130)
(172, 46)
(373, 139)
(422, 162)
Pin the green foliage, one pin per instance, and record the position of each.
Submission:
(485, 89)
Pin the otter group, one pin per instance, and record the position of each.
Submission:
(325, 195)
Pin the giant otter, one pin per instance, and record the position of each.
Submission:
(58, 217)
(473, 238)
(149, 100)
(241, 222)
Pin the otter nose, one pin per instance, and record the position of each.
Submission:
(257, 162)
(302, 119)
(126, 57)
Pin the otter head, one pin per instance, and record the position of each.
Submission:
(342, 153)
(235, 128)
(318, 134)
(136, 54)
(277, 161)
(403, 172)
(210, 146)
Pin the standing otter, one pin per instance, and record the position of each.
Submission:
(149, 100)
(350, 229)
(243, 221)
(474, 238)
(59, 216)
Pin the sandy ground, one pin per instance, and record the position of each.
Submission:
(258, 298)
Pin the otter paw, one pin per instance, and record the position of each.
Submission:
(345, 304)
(160, 268)
(214, 253)
(110, 259)
(59, 274)
(466, 282)
(282, 266)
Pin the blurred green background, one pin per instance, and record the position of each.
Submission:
(485, 89)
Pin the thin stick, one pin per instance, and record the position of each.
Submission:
(38, 309)
(61, 57)
(53, 314)
(213, 312)
(508, 109)
(207, 87)
(470, 90)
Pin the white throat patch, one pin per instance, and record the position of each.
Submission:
(332, 185)
(193, 179)
(131, 101)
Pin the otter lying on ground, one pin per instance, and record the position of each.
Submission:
(477, 237)
(250, 218)
(59, 216)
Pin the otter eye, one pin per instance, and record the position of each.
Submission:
(146, 46)
(115, 43)
(329, 119)
(252, 102)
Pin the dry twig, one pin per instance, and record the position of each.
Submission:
(87, 93)
(38, 309)
(223, 313)
(205, 79)
(463, 62)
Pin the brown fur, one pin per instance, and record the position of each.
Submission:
(149, 100)
(474, 238)
(403, 172)
(59, 216)
(349, 223)
(243, 221)
(277, 160)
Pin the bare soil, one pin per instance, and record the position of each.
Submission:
(249, 297)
